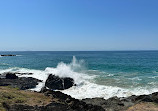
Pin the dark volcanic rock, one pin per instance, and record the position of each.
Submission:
(24, 73)
(22, 83)
(43, 89)
(112, 104)
(63, 102)
(60, 102)
(54, 82)
(50, 107)
(121, 104)
(71, 103)
(11, 76)
(144, 98)
(2, 76)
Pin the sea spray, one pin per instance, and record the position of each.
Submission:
(85, 87)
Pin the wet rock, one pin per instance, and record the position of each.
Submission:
(54, 82)
(63, 102)
(22, 83)
(11, 76)
(24, 73)
(2, 76)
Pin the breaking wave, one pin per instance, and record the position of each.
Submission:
(85, 87)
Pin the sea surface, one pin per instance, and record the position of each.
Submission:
(96, 73)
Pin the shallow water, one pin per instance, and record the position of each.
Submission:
(97, 74)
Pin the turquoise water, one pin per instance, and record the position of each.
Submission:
(127, 70)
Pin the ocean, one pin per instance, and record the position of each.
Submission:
(96, 73)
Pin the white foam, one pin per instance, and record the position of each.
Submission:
(91, 90)
(85, 88)
(62, 70)
(38, 74)
(4, 64)
(153, 77)
(19, 55)
(135, 78)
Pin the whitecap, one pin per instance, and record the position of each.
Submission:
(85, 87)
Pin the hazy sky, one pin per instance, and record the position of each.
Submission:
(78, 25)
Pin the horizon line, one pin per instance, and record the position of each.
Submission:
(71, 50)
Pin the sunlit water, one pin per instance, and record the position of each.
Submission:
(97, 74)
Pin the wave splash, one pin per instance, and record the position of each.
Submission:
(74, 70)
(85, 87)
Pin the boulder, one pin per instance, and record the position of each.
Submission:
(54, 82)
(11, 76)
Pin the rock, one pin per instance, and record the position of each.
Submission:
(24, 73)
(11, 76)
(59, 102)
(63, 102)
(112, 104)
(43, 89)
(154, 97)
(122, 104)
(2, 76)
(72, 103)
(54, 82)
(22, 83)
(8, 55)
(54, 106)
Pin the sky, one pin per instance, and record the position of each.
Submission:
(78, 25)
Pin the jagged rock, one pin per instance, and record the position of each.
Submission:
(11, 76)
(60, 102)
(22, 83)
(121, 104)
(72, 103)
(24, 73)
(43, 89)
(54, 82)
(63, 102)
(112, 104)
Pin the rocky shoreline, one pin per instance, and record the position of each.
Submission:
(63, 102)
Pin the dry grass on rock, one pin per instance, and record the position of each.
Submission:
(15, 96)
(144, 106)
